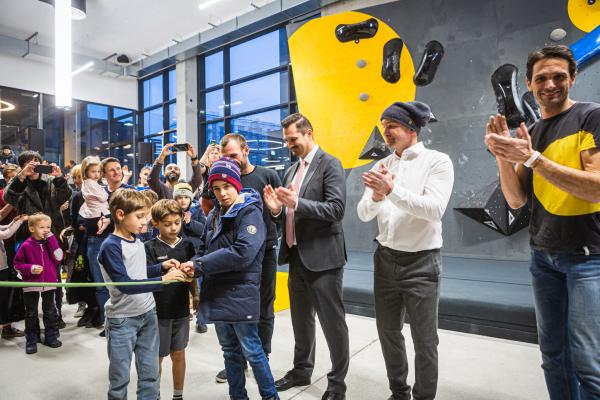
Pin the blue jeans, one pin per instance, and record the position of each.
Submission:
(93, 248)
(125, 337)
(200, 320)
(240, 341)
(566, 290)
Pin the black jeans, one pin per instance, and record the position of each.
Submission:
(408, 282)
(32, 324)
(267, 298)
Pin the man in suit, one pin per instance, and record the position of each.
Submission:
(312, 202)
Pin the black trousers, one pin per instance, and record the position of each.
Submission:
(50, 318)
(408, 282)
(267, 298)
(318, 293)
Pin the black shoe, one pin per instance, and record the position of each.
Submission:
(9, 332)
(333, 396)
(103, 333)
(221, 377)
(289, 381)
(202, 328)
(31, 348)
(54, 344)
(83, 321)
(60, 324)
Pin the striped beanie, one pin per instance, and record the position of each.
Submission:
(226, 169)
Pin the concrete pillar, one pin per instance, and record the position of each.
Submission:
(187, 111)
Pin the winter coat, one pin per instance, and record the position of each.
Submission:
(25, 198)
(193, 231)
(46, 253)
(231, 253)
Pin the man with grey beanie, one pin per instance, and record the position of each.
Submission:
(408, 192)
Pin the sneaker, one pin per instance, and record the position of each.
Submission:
(221, 377)
(55, 344)
(202, 328)
(61, 324)
(8, 332)
(80, 310)
(31, 348)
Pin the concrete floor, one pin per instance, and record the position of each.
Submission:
(471, 367)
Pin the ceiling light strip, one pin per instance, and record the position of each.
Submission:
(62, 53)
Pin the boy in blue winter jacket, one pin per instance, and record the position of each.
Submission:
(230, 259)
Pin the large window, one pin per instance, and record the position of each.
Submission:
(247, 88)
(85, 129)
(158, 122)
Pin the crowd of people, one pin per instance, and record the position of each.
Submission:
(212, 245)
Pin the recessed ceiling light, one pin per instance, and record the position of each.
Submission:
(207, 3)
(6, 106)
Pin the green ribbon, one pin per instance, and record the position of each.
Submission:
(78, 284)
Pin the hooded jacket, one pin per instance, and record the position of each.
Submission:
(230, 258)
(46, 253)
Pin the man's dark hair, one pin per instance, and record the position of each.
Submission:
(6, 147)
(234, 136)
(555, 51)
(27, 156)
(109, 160)
(302, 123)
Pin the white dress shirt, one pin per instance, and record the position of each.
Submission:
(410, 217)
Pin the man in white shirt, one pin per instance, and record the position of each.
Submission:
(408, 192)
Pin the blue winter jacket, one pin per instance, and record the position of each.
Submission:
(230, 259)
(193, 230)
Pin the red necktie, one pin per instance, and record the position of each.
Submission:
(290, 232)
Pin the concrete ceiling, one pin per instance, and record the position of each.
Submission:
(132, 27)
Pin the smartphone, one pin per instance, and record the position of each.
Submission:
(43, 169)
(181, 147)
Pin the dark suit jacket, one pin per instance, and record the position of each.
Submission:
(318, 218)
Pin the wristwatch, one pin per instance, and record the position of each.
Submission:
(534, 156)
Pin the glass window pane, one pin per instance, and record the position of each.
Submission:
(172, 115)
(172, 84)
(119, 112)
(215, 104)
(53, 131)
(215, 132)
(244, 60)
(258, 93)
(153, 121)
(265, 138)
(124, 154)
(213, 69)
(122, 130)
(153, 91)
(158, 144)
(95, 128)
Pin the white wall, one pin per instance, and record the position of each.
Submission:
(36, 76)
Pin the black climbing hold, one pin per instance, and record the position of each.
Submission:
(506, 90)
(354, 32)
(591, 2)
(375, 148)
(531, 107)
(390, 68)
(432, 56)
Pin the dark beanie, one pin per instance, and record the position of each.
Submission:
(228, 170)
(412, 114)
